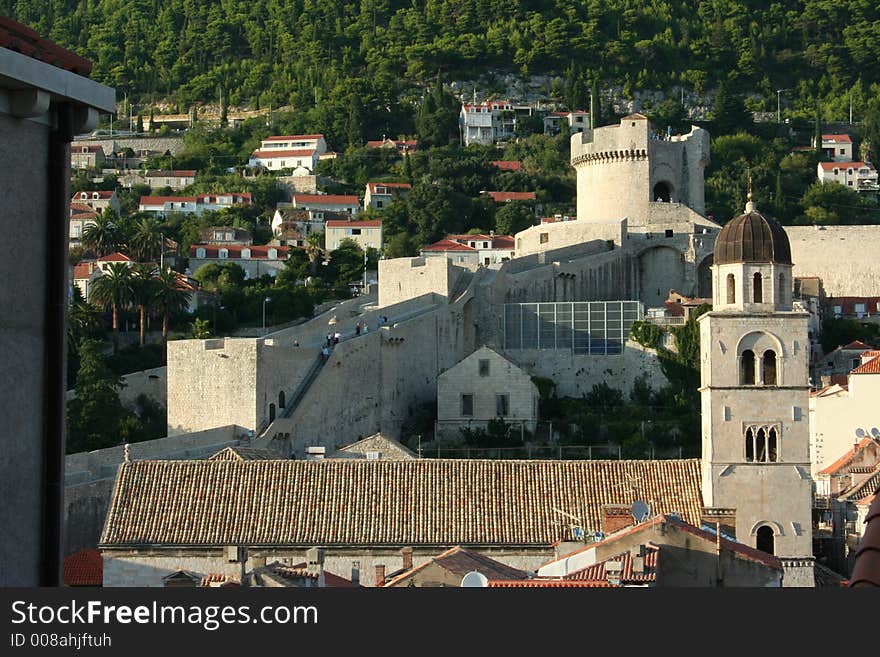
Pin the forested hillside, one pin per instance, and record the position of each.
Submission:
(373, 57)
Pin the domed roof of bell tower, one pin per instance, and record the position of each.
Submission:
(752, 237)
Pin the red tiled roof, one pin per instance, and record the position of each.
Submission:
(501, 197)
(325, 199)
(170, 174)
(82, 271)
(840, 139)
(84, 568)
(400, 144)
(115, 257)
(507, 165)
(830, 166)
(294, 138)
(376, 223)
(540, 583)
(22, 39)
(871, 367)
(238, 198)
(331, 580)
(270, 154)
(847, 458)
(162, 200)
(502, 242)
(866, 571)
(447, 245)
(857, 345)
(390, 185)
(103, 195)
(848, 304)
(234, 251)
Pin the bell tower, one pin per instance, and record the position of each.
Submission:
(755, 394)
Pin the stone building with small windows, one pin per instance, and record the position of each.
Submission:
(482, 387)
(755, 395)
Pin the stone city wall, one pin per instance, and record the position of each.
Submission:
(844, 257)
(406, 278)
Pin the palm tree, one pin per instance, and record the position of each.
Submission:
(315, 250)
(102, 236)
(82, 321)
(169, 296)
(146, 240)
(143, 291)
(114, 290)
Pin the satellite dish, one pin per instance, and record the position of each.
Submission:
(860, 433)
(875, 432)
(474, 580)
(641, 510)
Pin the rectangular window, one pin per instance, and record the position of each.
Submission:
(668, 232)
(843, 151)
(355, 231)
(545, 237)
(484, 367)
(378, 204)
(502, 405)
(467, 405)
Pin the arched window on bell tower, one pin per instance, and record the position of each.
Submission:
(781, 294)
(769, 368)
(731, 288)
(757, 288)
(765, 540)
(747, 368)
(750, 445)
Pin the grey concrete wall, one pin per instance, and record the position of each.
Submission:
(23, 187)
(152, 383)
(162, 144)
(401, 279)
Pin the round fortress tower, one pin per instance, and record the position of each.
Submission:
(622, 170)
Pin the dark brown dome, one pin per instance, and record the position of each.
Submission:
(752, 237)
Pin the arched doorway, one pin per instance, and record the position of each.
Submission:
(662, 192)
(765, 540)
(271, 412)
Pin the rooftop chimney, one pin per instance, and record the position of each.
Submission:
(356, 573)
(380, 574)
(407, 554)
(616, 517)
(826, 380)
(613, 571)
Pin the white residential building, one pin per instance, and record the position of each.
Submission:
(472, 251)
(97, 200)
(837, 147)
(331, 202)
(576, 121)
(486, 122)
(255, 260)
(161, 205)
(859, 176)
(297, 152)
(368, 234)
(379, 194)
(172, 179)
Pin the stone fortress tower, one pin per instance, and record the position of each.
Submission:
(755, 394)
(624, 170)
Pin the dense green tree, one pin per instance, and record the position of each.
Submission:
(103, 236)
(143, 292)
(513, 217)
(145, 242)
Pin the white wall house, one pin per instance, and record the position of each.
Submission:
(837, 147)
(366, 233)
(255, 260)
(331, 202)
(161, 205)
(379, 194)
(556, 122)
(859, 176)
(289, 152)
(484, 123)
(97, 200)
(172, 179)
(473, 251)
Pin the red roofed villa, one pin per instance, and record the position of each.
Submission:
(473, 251)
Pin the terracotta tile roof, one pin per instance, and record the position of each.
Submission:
(162, 200)
(502, 242)
(294, 138)
(243, 454)
(825, 577)
(325, 199)
(374, 186)
(377, 223)
(830, 166)
(460, 561)
(243, 198)
(388, 448)
(219, 579)
(115, 257)
(273, 153)
(447, 245)
(856, 345)
(866, 571)
(183, 173)
(300, 571)
(871, 367)
(436, 502)
(847, 458)
(80, 207)
(507, 165)
(22, 39)
(599, 571)
(84, 568)
(260, 252)
(103, 195)
(83, 270)
(501, 197)
(840, 139)
(539, 583)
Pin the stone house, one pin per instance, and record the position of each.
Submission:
(368, 234)
(332, 202)
(448, 569)
(86, 157)
(255, 260)
(837, 148)
(395, 513)
(378, 195)
(97, 200)
(173, 179)
(482, 387)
